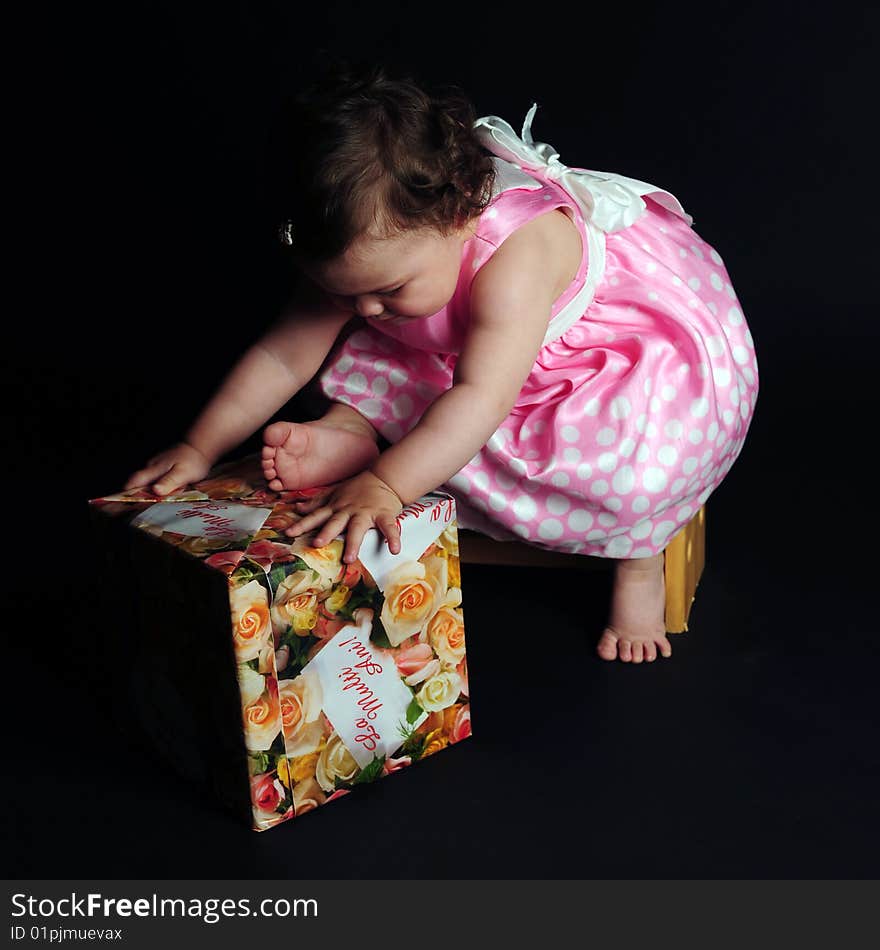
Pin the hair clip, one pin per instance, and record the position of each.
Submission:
(285, 233)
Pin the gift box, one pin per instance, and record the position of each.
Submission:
(266, 667)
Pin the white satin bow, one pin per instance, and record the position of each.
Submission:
(611, 202)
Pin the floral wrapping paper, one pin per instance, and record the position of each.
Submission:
(346, 673)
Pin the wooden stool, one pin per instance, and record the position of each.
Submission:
(685, 556)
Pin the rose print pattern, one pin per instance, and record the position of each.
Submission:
(287, 601)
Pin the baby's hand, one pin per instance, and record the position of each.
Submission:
(354, 505)
(170, 470)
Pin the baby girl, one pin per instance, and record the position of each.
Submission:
(555, 347)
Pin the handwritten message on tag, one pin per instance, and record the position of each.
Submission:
(420, 523)
(364, 696)
(212, 519)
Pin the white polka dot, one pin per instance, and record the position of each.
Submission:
(650, 430)
(592, 407)
(359, 340)
(734, 316)
(641, 552)
(607, 462)
(715, 280)
(402, 406)
(379, 386)
(744, 409)
(673, 429)
(696, 251)
(624, 480)
(650, 267)
(580, 519)
(525, 433)
(728, 415)
(714, 345)
(597, 534)
(667, 454)
(654, 404)
(604, 436)
(571, 455)
(661, 533)
(641, 422)
(676, 279)
(699, 407)
(398, 377)
(721, 376)
(330, 388)
(730, 291)
(653, 295)
(712, 431)
(620, 407)
(707, 457)
(715, 256)
(570, 433)
(668, 392)
(607, 519)
(749, 375)
(682, 252)
(371, 408)
(648, 385)
(644, 453)
(344, 364)
(599, 487)
(741, 355)
(524, 508)
(481, 480)
(550, 529)
(491, 214)
(654, 479)
(558, 504)
(356, 383)
(694, 283)
(460, 482)
(497, 501)
(695, 436)
(693, 303)
(522, 530)
(677, 485)
(640, 504)
(532, 454)
(684, 513)
(612, 504)
(749, 341)
(642, 529)
(539, 426)
(734, 395)
(614, 281)
(531, 487)
(584, 470)
(703, 370)
(712, 306)
(626, 447)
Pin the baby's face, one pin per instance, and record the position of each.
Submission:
(397, 278)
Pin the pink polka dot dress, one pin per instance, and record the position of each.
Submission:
(640, 397)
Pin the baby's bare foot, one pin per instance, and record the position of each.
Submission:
(636, 627)
(306, 455)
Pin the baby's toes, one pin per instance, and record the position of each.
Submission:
(607, 646)
(624, 650)
(275, 484)
(637, 651)
(650, 651)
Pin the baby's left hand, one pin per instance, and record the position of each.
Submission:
(354, 505)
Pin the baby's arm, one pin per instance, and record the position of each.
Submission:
(511, 303)
(270, 373)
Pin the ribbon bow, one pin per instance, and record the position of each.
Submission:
(611, 202)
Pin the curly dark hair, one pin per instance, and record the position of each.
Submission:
(363, 152)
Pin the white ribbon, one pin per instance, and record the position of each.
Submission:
(609, 202)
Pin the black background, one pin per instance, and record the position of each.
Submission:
(752, 753)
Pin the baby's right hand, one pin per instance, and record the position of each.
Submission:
(170, 470)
